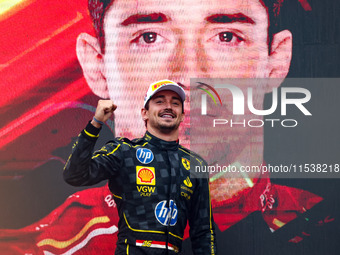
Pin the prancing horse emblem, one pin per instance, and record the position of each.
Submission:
(186, 163)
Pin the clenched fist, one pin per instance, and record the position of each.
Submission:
(104, 111)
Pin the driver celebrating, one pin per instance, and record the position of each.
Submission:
(149, 177)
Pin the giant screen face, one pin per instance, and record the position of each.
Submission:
(48, 97)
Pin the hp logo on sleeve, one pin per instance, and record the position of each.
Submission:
(166, 215)
(144, 155)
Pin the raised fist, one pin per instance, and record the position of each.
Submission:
(104, 111)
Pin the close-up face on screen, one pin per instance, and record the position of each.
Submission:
(178, 40)
(261, 86)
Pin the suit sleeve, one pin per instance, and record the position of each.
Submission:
(202, 230)
(84, 167)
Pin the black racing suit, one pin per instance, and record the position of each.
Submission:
(153, 189)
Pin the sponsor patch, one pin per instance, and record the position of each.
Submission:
(146, 191)
(157, 244)
(186, 163)
(144, 155)
(166, 215)
(186, 189)
(186, 195)
(145, 175)
(159, 84)
(187, 182)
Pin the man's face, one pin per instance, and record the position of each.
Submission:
(148, 40)
(165, 112)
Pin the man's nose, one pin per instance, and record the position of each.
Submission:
(168, 105)
(188, 60)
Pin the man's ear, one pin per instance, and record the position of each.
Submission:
(183, 116)
(91, 61)
(144, 114)
(280, 56)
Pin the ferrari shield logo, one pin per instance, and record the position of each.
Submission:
(186, 163)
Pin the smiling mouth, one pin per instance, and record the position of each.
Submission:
(167, 116)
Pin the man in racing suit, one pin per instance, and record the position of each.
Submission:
(149, 178)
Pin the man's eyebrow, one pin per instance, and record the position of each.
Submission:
(230, 18)
(177, 98)
(158, 96)
(145, 18)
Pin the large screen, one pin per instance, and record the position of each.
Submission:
(57, 59)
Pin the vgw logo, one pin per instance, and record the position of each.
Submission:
(238, 99)
(144, 155)
(166, 215)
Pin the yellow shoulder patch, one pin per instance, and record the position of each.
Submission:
(186, 163)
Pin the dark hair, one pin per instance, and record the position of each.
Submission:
(98, 8)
